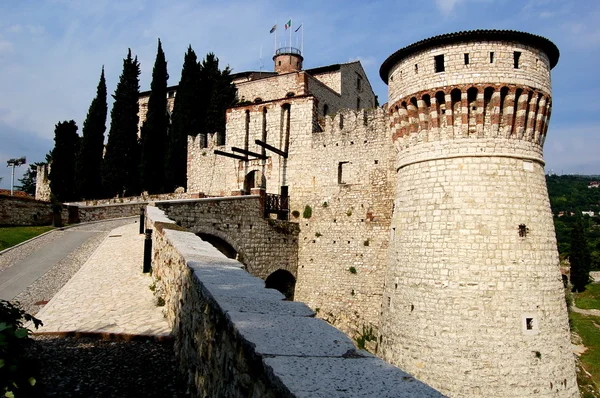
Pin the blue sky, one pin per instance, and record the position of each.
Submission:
(51, 54)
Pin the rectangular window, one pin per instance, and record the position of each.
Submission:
(491, 57)
(439, 63)
(341, 172)
(466, 58)
(517, 55)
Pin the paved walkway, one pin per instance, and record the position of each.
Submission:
(109, 295)
(15, 279)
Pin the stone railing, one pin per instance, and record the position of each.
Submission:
(234, 338)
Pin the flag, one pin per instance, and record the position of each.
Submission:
(288, 24)
(273, 28)
(298, 28)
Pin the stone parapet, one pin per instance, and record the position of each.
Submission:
(235, 338)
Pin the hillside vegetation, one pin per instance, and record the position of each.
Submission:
(569, 196)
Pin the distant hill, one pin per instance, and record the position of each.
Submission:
(569, 197)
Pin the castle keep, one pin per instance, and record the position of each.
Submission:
(426, 221)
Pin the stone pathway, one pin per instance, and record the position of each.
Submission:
(109, 295)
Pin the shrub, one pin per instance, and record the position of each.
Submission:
(16, 375)
(318, 234)
(352, 270)
(296, 213)
(366, 335)
(307, 212)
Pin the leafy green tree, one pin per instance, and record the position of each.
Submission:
(120, 169)
(218, 94)
(154, 129)
(89, 161)
(579, 258)
(29, 179)
(62, 173)
(184, 121)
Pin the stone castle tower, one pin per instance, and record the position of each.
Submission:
(473, 299)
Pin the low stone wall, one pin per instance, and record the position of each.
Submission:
(106, 212)
(138, 199)
(24, 211)
(234, 338)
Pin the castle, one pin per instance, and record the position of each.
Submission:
(424, 223)
(427, 220)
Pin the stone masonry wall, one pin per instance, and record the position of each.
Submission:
(263, 245)
(218, 175)
(234, 338)
(473, 296)
(347, 180)
(42, 183)
(417, 72)
(107, 212)
(24, 211)
(272, 88)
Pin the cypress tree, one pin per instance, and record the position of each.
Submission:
(62, 173)
(579, 258)
(120, 169)
(218, 94)
(89, 161)
(185, 121)
(154, 129)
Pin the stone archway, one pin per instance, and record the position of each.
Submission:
(254, 179)
(219, 244)
(283, 281)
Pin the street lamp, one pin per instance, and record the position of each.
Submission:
(12, 163)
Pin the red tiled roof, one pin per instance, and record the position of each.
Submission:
(19, 194)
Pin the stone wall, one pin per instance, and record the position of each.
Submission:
(272, 88)
(346, 178)
(107, 212)
(24, 211)
(473, 279)
(263, 245)
(417, 71)
(42, 183)
(234, 338)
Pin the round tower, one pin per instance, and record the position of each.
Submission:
(473, 299)
(288, 59)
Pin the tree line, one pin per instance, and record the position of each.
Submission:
(156, 161)
(577, 234)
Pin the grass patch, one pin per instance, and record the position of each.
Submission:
(10, 236)
(588, 328)
(590, 298)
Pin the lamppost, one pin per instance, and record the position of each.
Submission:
(12, 163)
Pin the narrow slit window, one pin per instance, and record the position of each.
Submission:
(466, 58)
(341, 176)
(416, 68)
(491, 57)
(517, 55)
(358, 103)
(529, 323)
(439, 63)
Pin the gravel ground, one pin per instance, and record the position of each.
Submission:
(89, 366)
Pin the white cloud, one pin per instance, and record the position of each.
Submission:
(447, 6)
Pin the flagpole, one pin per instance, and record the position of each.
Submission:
(302, 48)
(275, 44)
(290, 34)
(261, 64)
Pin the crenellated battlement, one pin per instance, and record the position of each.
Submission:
(471, 111)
